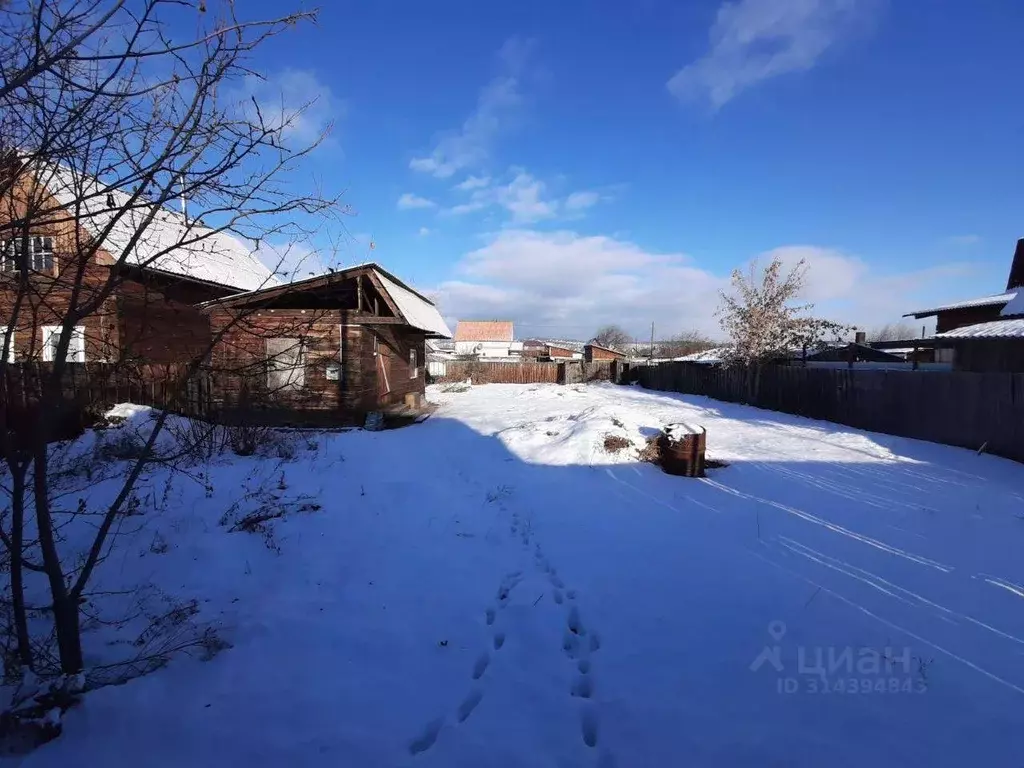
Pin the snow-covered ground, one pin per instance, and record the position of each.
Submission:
(492, 587)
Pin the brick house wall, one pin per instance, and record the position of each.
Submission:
(146, 317)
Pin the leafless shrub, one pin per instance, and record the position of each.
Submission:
(124, 446)
(159, 545)
(246, 438)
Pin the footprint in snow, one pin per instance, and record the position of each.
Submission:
(469, 704)
(426, 740)
(480, 666)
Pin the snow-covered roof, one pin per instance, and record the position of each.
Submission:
(984, 301)
(213, 257)
(714, 355)
(996, 329)
(575, 346)
(415, 308)
(418, 311)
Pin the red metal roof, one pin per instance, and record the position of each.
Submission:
(483, 330)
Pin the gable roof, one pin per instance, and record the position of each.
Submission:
(413, 307)
(207, 255)
(483, 330)
(984, 301)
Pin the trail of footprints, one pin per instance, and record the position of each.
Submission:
(578, 644)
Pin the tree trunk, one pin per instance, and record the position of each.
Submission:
(69, 636)
(65, 605)
(17, 581)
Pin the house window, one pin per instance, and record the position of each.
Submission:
(944, 355)
(414, 368)
(76, 347)
(38, 259)
(5, 334)
(286, 365)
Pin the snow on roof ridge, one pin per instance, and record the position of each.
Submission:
(209, 255)
(981, 301)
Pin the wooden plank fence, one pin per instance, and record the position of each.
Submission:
(87, 389)
(970, 410)
(523, 372)
(512, 372)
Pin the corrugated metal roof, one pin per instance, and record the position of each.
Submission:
(483, 330)
(984, 301)
(997, 329)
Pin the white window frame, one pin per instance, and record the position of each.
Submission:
(39, 258)
(76, 349)
(6, 332)
(414, 367)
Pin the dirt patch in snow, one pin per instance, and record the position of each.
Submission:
(615, 443)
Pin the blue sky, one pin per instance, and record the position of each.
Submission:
(574, 163)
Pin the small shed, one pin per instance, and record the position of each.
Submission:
(595, 353)
(996, 346)
(326, 350)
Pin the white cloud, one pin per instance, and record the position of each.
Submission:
(293, 102)
(498, 101)
(755, 40)
(473, 182)
(524, 197)
(409, 201)
(424, 231)
(579, 201)
(566, 284)
(963, 241)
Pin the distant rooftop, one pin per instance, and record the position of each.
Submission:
(483, 330)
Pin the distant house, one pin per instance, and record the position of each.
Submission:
(557, 350)
(485, 338)
(985, 334)
(593, 353)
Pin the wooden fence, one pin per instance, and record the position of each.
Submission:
(971, 410)
(512, 372)
(87, 389)
(523, 372)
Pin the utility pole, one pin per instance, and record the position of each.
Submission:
(650, 353)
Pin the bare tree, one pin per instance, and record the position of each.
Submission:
(763, 320)
(98, 101)
(612, 337)
(893, 332)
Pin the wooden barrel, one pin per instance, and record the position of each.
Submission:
(681, 449)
